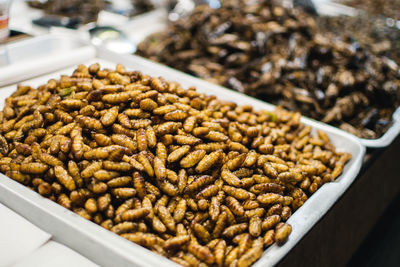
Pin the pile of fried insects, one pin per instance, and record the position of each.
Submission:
(196, 179)
(282, 56)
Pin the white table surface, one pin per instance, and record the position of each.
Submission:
(23, 244)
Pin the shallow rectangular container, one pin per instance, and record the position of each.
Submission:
(107, 249)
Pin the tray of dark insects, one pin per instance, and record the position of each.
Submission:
(89, 145)
(290, 58)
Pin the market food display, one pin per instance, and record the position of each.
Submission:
(86, 11)
(371, 32)
(390, 9)
(281, 56)
(189, 176)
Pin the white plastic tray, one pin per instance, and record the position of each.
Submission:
(140, 29)
(107, 249)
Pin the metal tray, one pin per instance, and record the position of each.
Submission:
(29, 58)
(107, 249)
(140, 29)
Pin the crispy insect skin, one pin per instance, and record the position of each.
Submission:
(148, 168)
(267, 187)
(166, 128)
(201, 252)
(161, 152)
(122, 181)
(219, 252)
(143, 239)
(201, 232)
(178, 153)
(231, 256)
(103, 202)
(166, 218)
(123, 227)
(270, 171)
(198, 183)
(230, 178)
(282, 233)
(159, 169)
(180, 210)
(269, 198)
(91, 169)
(33, 168)
(151, 137)
(269, 237)
(219, 225)
(141, 139)
(176, 242)
(208, 161)
(270, 222)
(168, 188)
(117, 166)
(116, 98)
(135, 214)
(123, 140)
(234, 206)
(214, 209)
(64, 201)
(255, 226)
(91, 205)
(109, 117)
(63, 116)
(250, 256)
(237, 193)
(235, 229)
(139, 184)
(104, 175)
(90, 123)
(208, 191)
(192, 158)
(64, 178)
(124, 192)
(77, 142)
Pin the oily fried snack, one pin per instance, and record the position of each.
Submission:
(87, 11)
(281, 56)
(191, 177)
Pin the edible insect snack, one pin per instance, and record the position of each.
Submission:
(193, 178)
(373, 33)
(280, 55)
(86, 11)
(389, 9)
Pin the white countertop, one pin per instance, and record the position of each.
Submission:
(23, 244)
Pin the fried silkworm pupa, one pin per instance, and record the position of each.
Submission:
(193, 178)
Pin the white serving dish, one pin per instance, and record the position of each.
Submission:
(107, 249)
